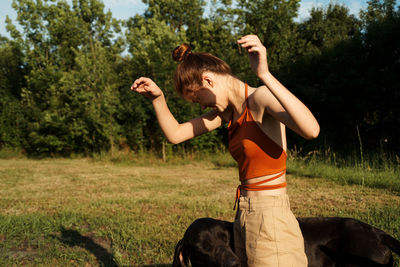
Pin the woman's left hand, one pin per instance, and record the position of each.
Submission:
(257, 54)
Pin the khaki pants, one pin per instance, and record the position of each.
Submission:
(266, 233)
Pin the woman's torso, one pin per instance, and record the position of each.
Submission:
(274, 130)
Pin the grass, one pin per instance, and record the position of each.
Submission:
(130, 210)
(376, 171)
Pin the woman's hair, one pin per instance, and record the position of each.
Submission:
(188, 74)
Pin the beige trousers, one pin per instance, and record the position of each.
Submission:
(266, 233)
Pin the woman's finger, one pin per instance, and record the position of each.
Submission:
(249, 38)
(135, 84)
(139, 82)
(254, 49)
(251, 44)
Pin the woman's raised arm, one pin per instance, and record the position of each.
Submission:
(174, 131)
(284, 106)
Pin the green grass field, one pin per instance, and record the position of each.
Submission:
(96, 212)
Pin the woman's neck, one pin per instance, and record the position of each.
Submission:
(236, 94)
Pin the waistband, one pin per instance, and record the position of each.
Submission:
(260, 202)
(259, 187)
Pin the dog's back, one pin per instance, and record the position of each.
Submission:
(347, 240)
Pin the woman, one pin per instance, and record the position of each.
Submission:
(266, 233)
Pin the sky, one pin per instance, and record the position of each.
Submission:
(123, 9)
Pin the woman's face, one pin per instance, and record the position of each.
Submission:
(209, 96)
(205, 97)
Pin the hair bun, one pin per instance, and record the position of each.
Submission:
(181, 52)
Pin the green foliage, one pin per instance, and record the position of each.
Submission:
(353, 82)
(12, 72)
(69, 98)
(90, 102)
(65, 76)
(273, 22)
(326, 28)
(151, 41)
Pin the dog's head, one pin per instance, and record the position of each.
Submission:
(207, 242)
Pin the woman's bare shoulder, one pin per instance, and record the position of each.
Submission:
(261, 97)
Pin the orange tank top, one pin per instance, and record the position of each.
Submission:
(257, 154)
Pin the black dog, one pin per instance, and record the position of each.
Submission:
(328, 242)
(207, 242)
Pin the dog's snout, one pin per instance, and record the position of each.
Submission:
(232, 262)
(227, 256)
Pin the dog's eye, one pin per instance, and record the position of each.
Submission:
(223, 237)
(206, 244)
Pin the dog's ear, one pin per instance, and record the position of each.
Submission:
(180, 257)
(229, 228)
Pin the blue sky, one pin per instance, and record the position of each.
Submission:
(123, 9)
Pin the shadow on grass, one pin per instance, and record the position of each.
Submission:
(73, 238)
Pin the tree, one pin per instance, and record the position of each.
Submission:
(151, 39)
(380, 47)
(11, 80)
(59, 41)
(273, 22)
(186, 15)
(328, 27)
(348, 77)
(90, 102)
(65, 77)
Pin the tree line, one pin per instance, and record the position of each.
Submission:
(65, 72)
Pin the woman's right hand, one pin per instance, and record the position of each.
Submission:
(148, 88)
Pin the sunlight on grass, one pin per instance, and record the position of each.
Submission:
(63, 212)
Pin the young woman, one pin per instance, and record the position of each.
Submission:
(266, 233)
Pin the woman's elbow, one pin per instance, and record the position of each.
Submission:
(175, 136)
(174, 140)
(313, 133)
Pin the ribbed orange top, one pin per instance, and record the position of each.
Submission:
(257, 154)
